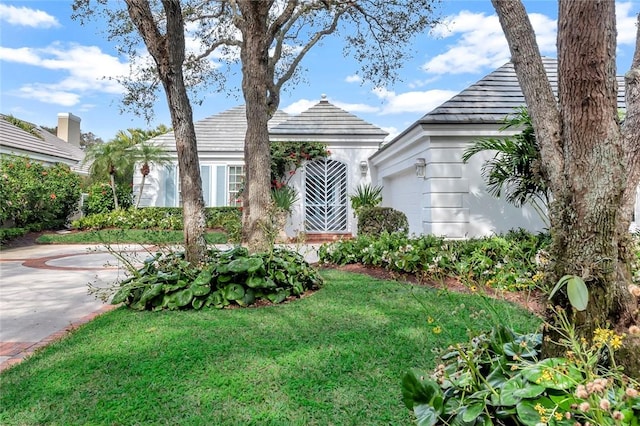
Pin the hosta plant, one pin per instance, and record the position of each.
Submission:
(233, 277)
(497, 379)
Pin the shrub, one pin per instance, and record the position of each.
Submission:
(100, 198)
(504, 262)
(376, 220)
(497, 378)
(232, 277)
(8, 234)
(158, 218)
(34, 196)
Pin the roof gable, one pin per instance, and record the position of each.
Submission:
(326, 119)
(494, 97)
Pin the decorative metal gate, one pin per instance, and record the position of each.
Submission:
(325, 196)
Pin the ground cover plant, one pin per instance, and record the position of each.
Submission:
(227, 277)
(335, 357)
(129, 236)
(499, 378)
(510, 261)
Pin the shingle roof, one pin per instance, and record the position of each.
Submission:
(221, 132)
(13, 137)
(494, 97)
(327, 119)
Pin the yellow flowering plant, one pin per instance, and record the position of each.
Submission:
(498, 379)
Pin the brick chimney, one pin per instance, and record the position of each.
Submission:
(69, 128)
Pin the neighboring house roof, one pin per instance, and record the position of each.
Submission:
(326, 119)
(51, 149)
(494, 97)
(221, 132)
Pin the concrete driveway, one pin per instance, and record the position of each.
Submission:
(44, 293)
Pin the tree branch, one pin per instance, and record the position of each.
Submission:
(535, 86)
(142, 17)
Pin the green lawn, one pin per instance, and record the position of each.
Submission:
(334, 358)
(114, 236)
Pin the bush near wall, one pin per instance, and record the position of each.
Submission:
(227, 218)
(376, 220)
(36, 197)
(100, 198)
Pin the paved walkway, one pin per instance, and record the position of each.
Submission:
(44, 292)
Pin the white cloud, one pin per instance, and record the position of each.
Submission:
(355, 78)
(87, 69)
(299, 106)
(45, 93)
(480, 43)
(304, 104)
(416, 84)
(356, 108)
(27, 17)
(412, 102)
(393, 132)
(626, 23)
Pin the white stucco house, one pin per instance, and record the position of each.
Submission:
(324, 186)
(422, 172)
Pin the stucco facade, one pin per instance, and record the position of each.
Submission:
(323, 187)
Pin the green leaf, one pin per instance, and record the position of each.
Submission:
(527, 412)
(198, 303)
(279, 296)
(418, 389)
(216, 299)
(183, 297)
(473, 411)
(257, 282)
(233, 292)
(121, 295)
(151, 292)
(245, 264)
(508, 396)
(553, 373)
(425, 415)
(562, 281)
(248, 299)
(578, 293)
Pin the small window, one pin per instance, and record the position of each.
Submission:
(236, 184)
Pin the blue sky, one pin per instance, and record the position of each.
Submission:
(49, 64)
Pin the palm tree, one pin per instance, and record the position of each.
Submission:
(515, 169)
(145, 154)
(108, 159)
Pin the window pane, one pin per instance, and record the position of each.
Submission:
(236, 184)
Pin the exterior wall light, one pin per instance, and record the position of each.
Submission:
(421, 166)
(364, 167)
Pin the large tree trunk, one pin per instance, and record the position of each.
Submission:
(257, 190)
(168, 51)
(590, 163)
